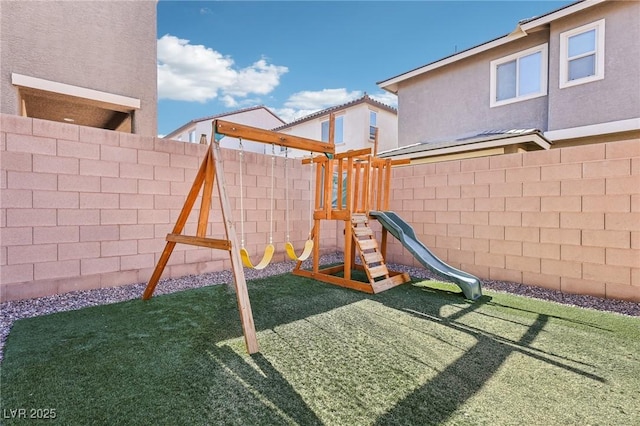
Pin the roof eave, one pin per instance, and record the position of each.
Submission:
(521, 30)
(535, 138)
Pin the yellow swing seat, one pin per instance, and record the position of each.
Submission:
(266, 258)
(306, 252)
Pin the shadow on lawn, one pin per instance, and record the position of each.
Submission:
(442, 396)
(280, 303)
(264, 387)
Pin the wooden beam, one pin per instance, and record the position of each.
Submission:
(242, 294)
(159, 269)
(205, 205)
(387, 186)
(255, 134)
(177, 229)
(339, 281)
(375, 142)
(353, 153)
(393, 281)
(200, 241)
(401, 162)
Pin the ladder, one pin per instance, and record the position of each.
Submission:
(372, 260)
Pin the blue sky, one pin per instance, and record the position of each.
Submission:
(297, 57)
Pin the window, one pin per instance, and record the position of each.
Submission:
(192, 136)
(582, 54)
(373, 124)
(339, 130)
(519, 77)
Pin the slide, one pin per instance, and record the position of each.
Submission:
(400, 229)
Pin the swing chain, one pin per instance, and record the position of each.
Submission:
(273, 168)
(241, 195)
(286, 191)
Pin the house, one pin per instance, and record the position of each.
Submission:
(356, 123)
(87, 63)
(564, 78)
(257, 116)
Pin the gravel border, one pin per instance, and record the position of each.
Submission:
(14, 310)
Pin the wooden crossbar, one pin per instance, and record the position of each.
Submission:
(255, 134)
(200, 241)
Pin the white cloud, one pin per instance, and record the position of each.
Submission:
(321, 99)
(292, 114)
(386, 98)
(304, 103)
(188, 72)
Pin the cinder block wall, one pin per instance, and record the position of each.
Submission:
(566, 219)
(85, 208)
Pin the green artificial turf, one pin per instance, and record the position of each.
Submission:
(415, 355)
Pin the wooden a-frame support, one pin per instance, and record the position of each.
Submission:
(211, 170)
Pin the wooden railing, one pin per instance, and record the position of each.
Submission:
(352, 182)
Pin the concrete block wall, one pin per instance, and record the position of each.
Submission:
(566, 219)
(85, 208)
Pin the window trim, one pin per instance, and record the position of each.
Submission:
(341, 117)
(564, 52)
(544, 67)
(372, 135)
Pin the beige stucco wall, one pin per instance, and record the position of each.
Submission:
(260, 118)
(453, 101)
(617, 96)
(108, 46)
(355, 128)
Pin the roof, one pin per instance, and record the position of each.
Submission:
(364, 99)
(482, 140)
(521, 30)
(213, 117)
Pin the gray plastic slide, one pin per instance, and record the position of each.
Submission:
(400, 229)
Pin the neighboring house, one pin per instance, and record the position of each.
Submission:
(257, 116)
(355, 126)
(82, 62)
(565, 78)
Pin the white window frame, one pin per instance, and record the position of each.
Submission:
(372, 126)
(544, 54)
(564, 54)
(341, 136)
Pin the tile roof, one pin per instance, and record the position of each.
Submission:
(363, 99)
(220, 115)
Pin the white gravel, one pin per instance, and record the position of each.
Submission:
(15, 310)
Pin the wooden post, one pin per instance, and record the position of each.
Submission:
(387, 185)
(375, 142)
(242, 294)
(205, 206)
(178, 227)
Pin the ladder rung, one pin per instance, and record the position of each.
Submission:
(359, 218)
(363, 231)
(368, 244)
(378, 271)
(374, 257)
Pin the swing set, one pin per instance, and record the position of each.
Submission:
(347, 187)
(270, 248)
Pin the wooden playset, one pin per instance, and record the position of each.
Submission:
(347, 187)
